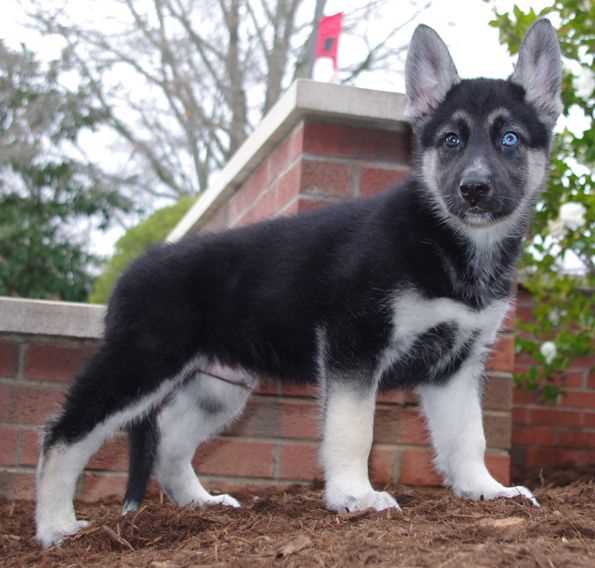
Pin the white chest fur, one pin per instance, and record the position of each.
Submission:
(413, 315)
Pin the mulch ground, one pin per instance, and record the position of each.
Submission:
(291, 528)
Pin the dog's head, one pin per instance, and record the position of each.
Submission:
(483, 144)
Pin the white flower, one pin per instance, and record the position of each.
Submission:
(584, 83)
(549, 351)
(554, 316)
(572, 215)
(556, 229)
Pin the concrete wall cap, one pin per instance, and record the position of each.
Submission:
(43, 317)
(305, 98)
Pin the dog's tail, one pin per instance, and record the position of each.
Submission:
(142, 450)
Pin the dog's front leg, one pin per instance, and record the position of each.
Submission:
(454, 416)
(348, 410)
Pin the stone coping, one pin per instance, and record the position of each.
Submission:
(43, 317)
(305, 98)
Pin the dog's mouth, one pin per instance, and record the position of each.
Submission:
(477, 217)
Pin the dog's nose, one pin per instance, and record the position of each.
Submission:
(475, 190)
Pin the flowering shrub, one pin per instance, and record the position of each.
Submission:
(557, 266)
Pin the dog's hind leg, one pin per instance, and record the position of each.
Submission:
(347, 440)
(196, 411)
(104, 397)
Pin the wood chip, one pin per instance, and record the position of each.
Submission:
(298, 543)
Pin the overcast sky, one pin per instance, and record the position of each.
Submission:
(463, 24)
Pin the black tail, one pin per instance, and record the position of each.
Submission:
(142, 450)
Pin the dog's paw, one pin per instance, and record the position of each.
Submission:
(51, 535)
(344, 502)
(226, 500)
(501, 492)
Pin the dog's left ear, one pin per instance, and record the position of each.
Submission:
(430, 72)
(539, 70)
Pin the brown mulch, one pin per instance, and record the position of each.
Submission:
(290, 527)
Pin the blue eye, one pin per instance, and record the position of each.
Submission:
(452, 140)
(510, 139)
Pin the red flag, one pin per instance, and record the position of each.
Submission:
(327, 42)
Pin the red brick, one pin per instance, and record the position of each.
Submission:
(498, 393)
(28, 447)
(392, 397)
(559, 456)
(499, 467)
(576, 439)
(417, 468)
(35, 405)
(9, 358)
(307, 203)
(6, 403)
(288, 186)
(112, 456)
(225, 456)
(260, 419)
(17, 485)
(8, 446)
(255, 184)
(578, 399)
(586, 362)
(386, 424)
(520, 416)
(267, 388)
(100, 486)
(554, 417)
(523, 396)
(508, 324)
(306, 391)
(591, 381)
(49, 362)
(502, 355)
(497, 430)
(412, 428)
(299, 420)
(533, 435)
(571, 380)
(299, 461)
(263, 208)
(327, 178)
(382, 461)
(374, 180)
(284, 154)
(218, 220)
(589, 420)
(333, 139)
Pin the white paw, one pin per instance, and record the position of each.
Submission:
(224, 499)
(48, 536)
(377, 500)
(498, 493)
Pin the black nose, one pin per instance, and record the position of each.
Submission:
(474, 191)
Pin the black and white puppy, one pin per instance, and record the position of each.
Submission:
(407, 289)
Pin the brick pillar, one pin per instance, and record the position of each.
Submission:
(317, 163)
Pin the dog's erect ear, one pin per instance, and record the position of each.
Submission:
(429, 72)
(539, 70)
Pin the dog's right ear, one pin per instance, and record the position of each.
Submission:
(429, 72)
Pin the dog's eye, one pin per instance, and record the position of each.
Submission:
(510, 139)
(452, 140)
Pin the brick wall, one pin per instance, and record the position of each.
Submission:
(560, 433)
(275, 441)
(317, 163)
